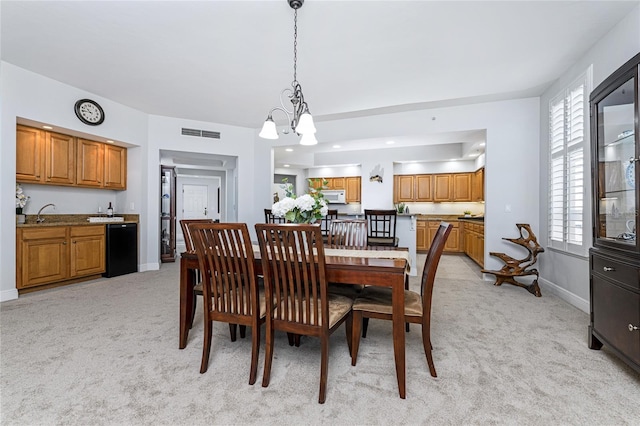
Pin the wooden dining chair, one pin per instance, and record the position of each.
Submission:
(230, 286)
(270, 218)
(376, 302)
(325, 224)
(293, 264)
(381, 227)
(188, 242)
(345, 233)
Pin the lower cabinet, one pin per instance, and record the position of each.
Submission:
(54, 254)
(426, 230)
(473, 241)
(615, 307)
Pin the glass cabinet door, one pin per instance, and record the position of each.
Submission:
(615, 118)
(167, 214)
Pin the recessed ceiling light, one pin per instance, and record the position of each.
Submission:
(482, 144)
(47, 127)
(453, 159)
(474, 154)
(289, 149)
(390, 142)
(109, 141)
(336, 146)
(286, 165)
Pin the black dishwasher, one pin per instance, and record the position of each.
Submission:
(122, 249)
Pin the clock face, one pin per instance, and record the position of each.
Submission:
(89, 112)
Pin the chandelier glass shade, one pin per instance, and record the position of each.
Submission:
(299, 117)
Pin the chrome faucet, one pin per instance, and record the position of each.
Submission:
(41, 219)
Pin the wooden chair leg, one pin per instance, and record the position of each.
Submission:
(255, 347)
(268, 357)
(349, 331)
(365, 325)
(426, 343)
(193, 311)
(232, 332)
(206, 348)
(355, 335)
(291, 338)
(324, 367)
(243, 331)
(406, 287)
(296, 338)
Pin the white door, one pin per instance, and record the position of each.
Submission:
(195, 202)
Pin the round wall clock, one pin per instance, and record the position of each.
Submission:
(89, 112)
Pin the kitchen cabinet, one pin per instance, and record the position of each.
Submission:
(473, 241)
(336, 183)
(353, 186)
(403, 188)
(55, 254)
(167, 214)
(44, 157)
(424, 188)
(115, 167)
(614, 260)
(57, 159)
(442, 187)
(426, 231)
(461, 186)
(477, 185)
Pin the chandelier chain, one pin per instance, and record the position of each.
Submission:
(295, 46)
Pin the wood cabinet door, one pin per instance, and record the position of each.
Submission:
(477, 185)
(115, 167)
(43, 256)
(87, 250)
(404, 186)
(424, 188)
(28, 154)
(453, 242)
(353, 189)
(90, 161)
(422, 243)
(461, 186)
(442, 187)
(338, 183)
(60, 159)
(316, 183)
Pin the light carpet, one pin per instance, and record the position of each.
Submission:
(106, 353)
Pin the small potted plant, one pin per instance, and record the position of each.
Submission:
(400, 207)
(467, 213)
(21, 202)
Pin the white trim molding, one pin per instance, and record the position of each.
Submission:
(565, 295)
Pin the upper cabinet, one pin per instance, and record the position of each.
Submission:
(616, 153)
(352, 186)
(57, 159)
(443, 187)
(477, 185)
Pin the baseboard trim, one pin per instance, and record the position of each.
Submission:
(6, 295)
(565, 295)
(148, 267)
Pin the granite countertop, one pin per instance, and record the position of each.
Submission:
(472, 218)
(71, 219)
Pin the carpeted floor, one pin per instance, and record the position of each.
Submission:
(106, 353)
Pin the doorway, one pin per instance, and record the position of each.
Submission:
(197, 198)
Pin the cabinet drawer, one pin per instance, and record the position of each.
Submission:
(44, 233)
(615, 270)
(82, 231)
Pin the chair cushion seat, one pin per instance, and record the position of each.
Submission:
(197, 289)
(378, 300)
(382, 241)
(339, 307)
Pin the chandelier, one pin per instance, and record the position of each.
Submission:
(299, 116)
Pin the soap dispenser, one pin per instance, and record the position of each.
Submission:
(109, 211)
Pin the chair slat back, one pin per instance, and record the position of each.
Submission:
(325, 222)
(381, 223)
(294, 273)
(225, 255)
(431, 265)
(270, 218)
(348, 234)
(186, 231)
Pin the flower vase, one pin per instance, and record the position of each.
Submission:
(20, 218)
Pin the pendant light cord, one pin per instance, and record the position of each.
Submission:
(295, 47)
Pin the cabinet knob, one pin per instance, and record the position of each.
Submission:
(608, 269)
(633, 328)
(64, 243)
(633, 160)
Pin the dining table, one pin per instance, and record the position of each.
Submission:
(343, 266)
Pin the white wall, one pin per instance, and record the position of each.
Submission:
(568, 275)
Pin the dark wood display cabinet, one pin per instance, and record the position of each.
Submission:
(615, 258)
(167, 214)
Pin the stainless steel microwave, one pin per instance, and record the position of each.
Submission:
(335, 196)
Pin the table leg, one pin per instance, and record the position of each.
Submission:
(398, 333)
(186, 301)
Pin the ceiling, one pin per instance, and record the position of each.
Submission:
(227, 61)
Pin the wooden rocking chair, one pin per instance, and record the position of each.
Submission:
(520, 268)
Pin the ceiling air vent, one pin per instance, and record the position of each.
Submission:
(201, 133)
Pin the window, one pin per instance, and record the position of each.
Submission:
(568, 130)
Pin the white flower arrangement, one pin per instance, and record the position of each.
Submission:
(306, 208)
(21, 198)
